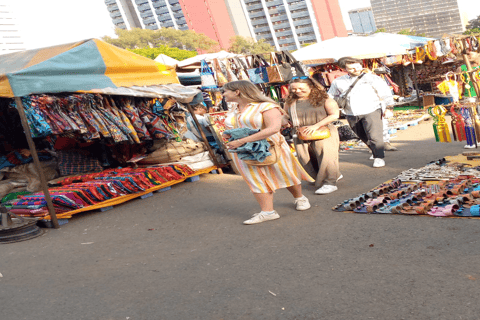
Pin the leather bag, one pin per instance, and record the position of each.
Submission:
(299, 68)
(273, 72)
(273, 158)
(221, 78)
(258, 72)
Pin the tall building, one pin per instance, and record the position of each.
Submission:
(362, 20)
(10, 35)
(434, 18)
(288, 24)
(285, 24)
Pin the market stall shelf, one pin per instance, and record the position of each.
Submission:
(110, 204)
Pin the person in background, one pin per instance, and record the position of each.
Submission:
(206, 99)
(367, 102)
(199, 110)
(256, 111)
(315, 109)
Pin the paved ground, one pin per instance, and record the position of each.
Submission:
(200, 262)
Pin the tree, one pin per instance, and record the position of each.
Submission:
(243, 45)
(142, 38)
(474, 23)
(472, 31)
(174, 53)
(410, 32)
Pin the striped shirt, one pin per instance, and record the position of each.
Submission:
(286, 172)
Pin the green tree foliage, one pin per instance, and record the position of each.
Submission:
(142, 38)
(243, 45)
(174, 53)
(410, 32)
(474, 23)
(472, 31)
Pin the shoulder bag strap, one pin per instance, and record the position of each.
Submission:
(353, 85)
(293, 112)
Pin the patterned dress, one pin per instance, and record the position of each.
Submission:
(286, 172)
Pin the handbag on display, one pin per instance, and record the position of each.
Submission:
(229, 72)
(285, 68)
(300, 69)
(241, 74)
(274, 74)
(342, 100)
(258, 72)
(221, 78)
(319, 134)
(206, 76)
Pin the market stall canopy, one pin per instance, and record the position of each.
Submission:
(80, 66)
(194, 62)
(166, 60)
(402, 40)
(354, 46)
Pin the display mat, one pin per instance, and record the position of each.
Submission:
(449, 187)
(122, 199)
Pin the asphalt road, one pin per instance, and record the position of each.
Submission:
(185, 254)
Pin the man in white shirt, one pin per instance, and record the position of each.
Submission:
(368, 100)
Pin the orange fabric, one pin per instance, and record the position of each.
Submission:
(127, 69)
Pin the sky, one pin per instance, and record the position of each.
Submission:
(44, 23)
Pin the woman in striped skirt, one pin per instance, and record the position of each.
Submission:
(256, 111)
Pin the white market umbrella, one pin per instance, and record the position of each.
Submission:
(166, 60)
(355, 46)
(395, 40)
(208, 56)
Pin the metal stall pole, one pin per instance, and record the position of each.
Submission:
(33, 150)
(204, 137)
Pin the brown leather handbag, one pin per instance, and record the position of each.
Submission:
(273, 70)
(273, 158)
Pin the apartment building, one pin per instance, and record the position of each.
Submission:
(285, 24)
(434, 18)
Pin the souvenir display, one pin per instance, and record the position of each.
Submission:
(442, 188)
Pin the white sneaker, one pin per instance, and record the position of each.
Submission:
(371, 157)
(261, 217)
(378, 162)
(325, 189)
(341, 177)
(467, 146)
(302, 204)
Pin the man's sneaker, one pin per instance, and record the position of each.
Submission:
(371, 157)
(378, 162)
(468, 146)
(325, 189)
(389, 147)
(302, 204)
(261, 217)
(341, 177)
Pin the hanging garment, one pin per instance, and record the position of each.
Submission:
(39, 127)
